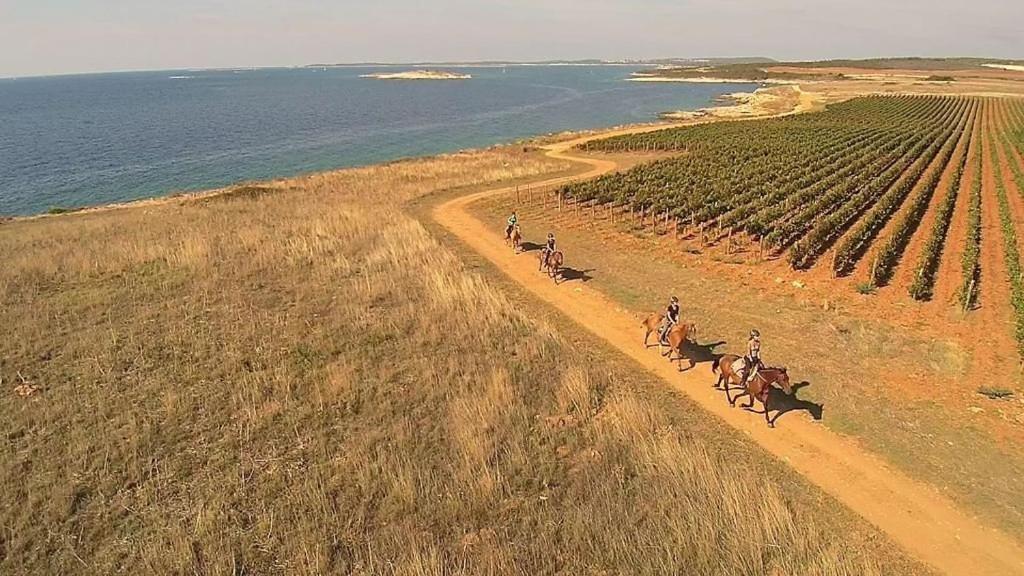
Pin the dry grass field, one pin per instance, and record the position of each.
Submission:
(299, 379)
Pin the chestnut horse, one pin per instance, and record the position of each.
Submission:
(757, 387)
(553, 264)
(516, 238)
(652, 325)
(677, 338)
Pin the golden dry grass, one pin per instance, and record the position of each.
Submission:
(305, 381)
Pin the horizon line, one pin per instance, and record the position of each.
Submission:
(494, 63)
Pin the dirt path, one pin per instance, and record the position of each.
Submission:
(915, 515)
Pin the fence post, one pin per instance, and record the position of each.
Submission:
(967, 297)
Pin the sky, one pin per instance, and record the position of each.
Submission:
(40, 37)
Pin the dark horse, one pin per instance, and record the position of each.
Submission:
(553, 263)
(758, 387)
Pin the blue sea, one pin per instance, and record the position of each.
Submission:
(73, 141)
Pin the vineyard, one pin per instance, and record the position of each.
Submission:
(905, 192)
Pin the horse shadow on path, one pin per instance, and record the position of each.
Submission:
(568, 274)
(529, 246)
(695, 353)
(784, 404)
(701, 353)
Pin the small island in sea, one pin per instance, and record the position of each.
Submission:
(419, 75)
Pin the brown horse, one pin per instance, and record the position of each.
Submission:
(758, 387)
(516, 239)
(553, 264)
(652, 325)
(677, 338)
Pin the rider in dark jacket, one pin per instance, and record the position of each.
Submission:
(549, 248)
(671, 317)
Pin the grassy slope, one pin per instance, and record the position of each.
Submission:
(306, 381)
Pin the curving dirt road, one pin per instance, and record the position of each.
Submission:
(923, 521)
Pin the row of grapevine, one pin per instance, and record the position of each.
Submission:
(892, 249)
(970, 261)
(903, 174)
(931, 255)
(1014, 138)
(855, 244)
(1011, 255)
(796, 183)
(714, 171)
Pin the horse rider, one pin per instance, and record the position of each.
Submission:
(753, 357)
(671, 317)
(549, 248)
(513, 221)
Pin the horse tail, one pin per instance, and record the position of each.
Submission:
(714, 365)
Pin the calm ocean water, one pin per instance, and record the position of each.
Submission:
(86, 140)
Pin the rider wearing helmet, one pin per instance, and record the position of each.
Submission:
(549, 248)
(753, 356)
(513, 221)
(671, 317)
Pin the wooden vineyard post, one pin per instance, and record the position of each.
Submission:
(517, 195)
(874, 266)
(760, 250)
(559, 200)
(835, 258)
(967, 297)
(728, 244)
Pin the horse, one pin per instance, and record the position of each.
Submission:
(517, 240)
(758, 387)
(553, 264)
(677, 338)
(652, 325)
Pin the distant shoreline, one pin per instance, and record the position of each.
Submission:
(418, 75)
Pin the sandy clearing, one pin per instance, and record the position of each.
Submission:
(913, 514)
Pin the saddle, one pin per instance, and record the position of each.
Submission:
(740, 367)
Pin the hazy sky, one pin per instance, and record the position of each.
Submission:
(58, 36)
